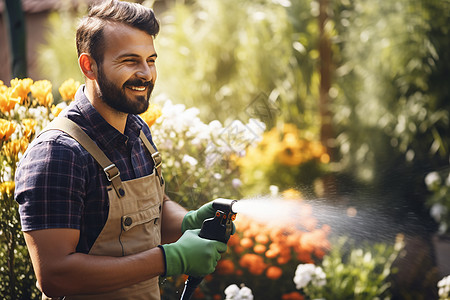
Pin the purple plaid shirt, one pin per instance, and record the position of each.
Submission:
(60, 185)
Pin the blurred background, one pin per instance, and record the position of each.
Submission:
(354, 96)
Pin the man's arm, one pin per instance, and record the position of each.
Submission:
(172, 218)
(61, 271)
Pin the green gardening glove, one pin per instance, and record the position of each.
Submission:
(194, 218)
(192, 255)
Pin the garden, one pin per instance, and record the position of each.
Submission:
(328, 121)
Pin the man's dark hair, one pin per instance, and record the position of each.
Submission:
(90, 30)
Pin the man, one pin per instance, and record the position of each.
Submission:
(90, 189)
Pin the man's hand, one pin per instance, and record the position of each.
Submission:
(194, 218)
(192, 255)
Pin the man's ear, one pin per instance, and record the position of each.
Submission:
(88, 66)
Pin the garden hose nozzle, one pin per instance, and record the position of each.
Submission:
(218, 228)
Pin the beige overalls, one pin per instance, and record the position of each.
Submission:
(134, 219)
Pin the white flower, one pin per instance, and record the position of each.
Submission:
(432, 179)
(319, 278)
(303, 275)
(236, 183)
(189, 160)
(444, 287)
(437, 211)
(306, 273)
(233, 292)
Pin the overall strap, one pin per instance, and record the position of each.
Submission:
(71, 128)
(156, 156)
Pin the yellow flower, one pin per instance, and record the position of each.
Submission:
(151, 115)
(13, 148)
(7, 128)
(68, 89)
(7, 189)
(42, 91)
(28, 126)
(20, 88)
(7, 102)
(57, 109)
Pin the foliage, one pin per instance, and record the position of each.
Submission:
(354, 272)
(57, 59)
(285, 157)
(242, 59)
(388, 55)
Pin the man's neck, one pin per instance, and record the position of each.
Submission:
(115, 118)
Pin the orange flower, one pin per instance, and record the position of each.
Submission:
(262, 238)
(246, 243)
(234, 240)
(225, 267)
(274, 272)
(238, 249)
(259, 248)
(217, 297)
(253, 262)
(293, 296)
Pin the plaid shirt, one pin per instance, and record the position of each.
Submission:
(60, 185)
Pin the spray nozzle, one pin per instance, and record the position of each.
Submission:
(219, 227)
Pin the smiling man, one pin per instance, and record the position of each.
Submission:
(90, 188)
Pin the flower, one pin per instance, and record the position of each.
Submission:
(225, 267)
(306, 273)
(42, 91)
(274, 272)
(253, 262)
(293, 296)
(432, 180)
(151, 114)
(7, 128)
(233, 292)
(20, 89)
(7, 102)
(444, 288)
(7, 189)
(68, 89)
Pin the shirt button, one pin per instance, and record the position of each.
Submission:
(128, 221)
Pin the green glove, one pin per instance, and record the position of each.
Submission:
(194, 218)
(192, 255)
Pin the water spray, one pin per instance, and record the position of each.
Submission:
(218, 228)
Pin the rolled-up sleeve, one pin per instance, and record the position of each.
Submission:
(50, 186)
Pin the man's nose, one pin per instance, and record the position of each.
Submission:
(145, 72)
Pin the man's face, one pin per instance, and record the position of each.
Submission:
(127, 74)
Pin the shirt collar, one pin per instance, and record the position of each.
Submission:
(104, 133)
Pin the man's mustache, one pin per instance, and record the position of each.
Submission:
(137, 82)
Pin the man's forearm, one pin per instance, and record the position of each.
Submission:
(172, 217)
(62, 273)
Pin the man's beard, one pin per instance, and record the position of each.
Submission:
(116, 98)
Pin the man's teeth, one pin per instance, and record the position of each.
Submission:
(136, 88)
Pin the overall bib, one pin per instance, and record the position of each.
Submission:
(134, 219)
